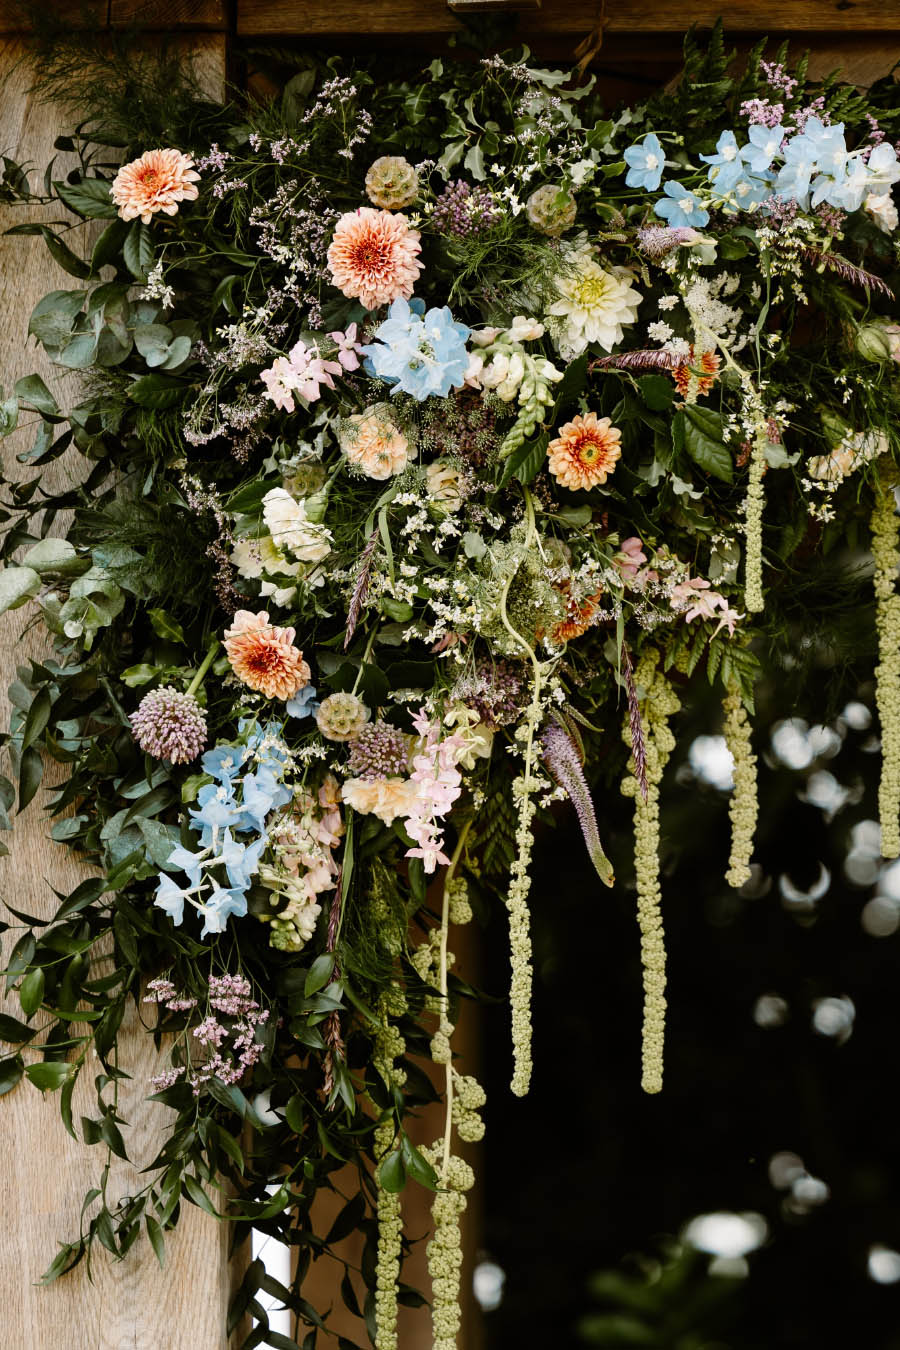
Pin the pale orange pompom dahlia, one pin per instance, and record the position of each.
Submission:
(264, 657)
(158, 181)
(584, 452)
(374, 256)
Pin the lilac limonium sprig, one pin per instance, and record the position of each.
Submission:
(564, 762)
(171, 725)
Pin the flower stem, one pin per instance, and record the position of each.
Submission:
(204, 667)
(445, 923)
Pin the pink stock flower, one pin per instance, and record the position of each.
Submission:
(630, 558)
(438, 785)
(348, 348)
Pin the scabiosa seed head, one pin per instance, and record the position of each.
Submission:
(379, 751)
(170, 725)
(392, 183)
(551, 210)
(341, 717)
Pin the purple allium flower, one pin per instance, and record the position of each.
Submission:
(379, 751)
(170, 725)
(659, 240)
(465, 211)
(562, 759)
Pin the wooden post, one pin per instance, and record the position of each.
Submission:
(45, 1173)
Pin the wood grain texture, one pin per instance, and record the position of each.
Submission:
(132, 1305)
(170, 16)
(555, 17)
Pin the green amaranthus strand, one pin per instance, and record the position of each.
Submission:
(886, 554)
(389, 1046)
(659, 702)
(743, 808)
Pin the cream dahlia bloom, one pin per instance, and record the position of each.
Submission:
(158, 181)
(389, 799)
(374, 443)
(291, 529)
(374, 256)
(584, 452)
(591, 304)
(264, 657)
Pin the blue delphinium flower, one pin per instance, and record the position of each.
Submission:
(224, 762)
(417, 352)
(262, 794)
(218, 810)
(749, 190)
(646, 162)
(217, 908)
(241, 860)
(303, 704)
(680, 207)
(765, 144)
(171, 897)
(725, 166)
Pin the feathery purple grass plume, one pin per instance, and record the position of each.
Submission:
(564, 763)
(648, 358)
(635, 725)
(857, 275)
(169, 725)
(361, 587)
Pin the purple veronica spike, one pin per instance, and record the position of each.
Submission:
(563, 762)
(361, 588)
(636, 726)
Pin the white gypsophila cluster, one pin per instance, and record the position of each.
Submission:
(156, 289)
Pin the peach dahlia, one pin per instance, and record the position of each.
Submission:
(264, 657)
(158, 181)
(374, 256)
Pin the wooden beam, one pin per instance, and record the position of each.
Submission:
(315, 18)
(168, 16)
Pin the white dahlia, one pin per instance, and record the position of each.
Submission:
(591, 304)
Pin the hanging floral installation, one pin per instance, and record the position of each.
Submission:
(439, 435)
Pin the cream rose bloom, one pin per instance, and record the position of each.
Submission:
(291, 529)
(389, 799)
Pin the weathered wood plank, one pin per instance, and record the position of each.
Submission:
(312, 18)
(152, 15)
(45, 1174)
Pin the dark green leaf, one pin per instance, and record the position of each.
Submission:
(392, 1173)
(89, 197)
(11, 1070)
(38, 717)
(31, 991)
(15, 1032)
(703, 442)
(319, 973)
(157, 391)
(32, 390)
(48, 1075)
(657, 391)
(157, 1239)
(109, 245)
(31, 771)
(417, 1166)
(138, 250)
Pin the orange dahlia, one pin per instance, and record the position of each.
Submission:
(373, 256)
(264, 657)
(684, 374)
(158, 181)
(579, 617)
(585, 451)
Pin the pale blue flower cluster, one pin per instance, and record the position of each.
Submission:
(810, 167)
(420, 353)
(247, 786)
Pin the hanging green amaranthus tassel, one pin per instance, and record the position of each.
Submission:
(886, 554)
(389, 1046)
(743, 807)
(658, 702)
